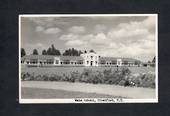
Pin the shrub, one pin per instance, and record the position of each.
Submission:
(65, 77)
(148, 80)
(144, 80)
(85, 75)
(54, 77)
(38, 78)
(125, 71)
(121, 77)
(126, 83)
(115, 77)
(122, 83)
(74, 76)
(45, 78)
(26, 76)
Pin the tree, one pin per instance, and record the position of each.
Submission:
(72, 52)
(153, 61)
(92, 51)
(22, 52)
(80, 52)
(44, 52)
(53, 51)
(49, 51)
(149, 61)
(35, 52)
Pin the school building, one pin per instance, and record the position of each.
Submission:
(85, 59)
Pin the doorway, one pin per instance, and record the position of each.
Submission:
(91, 64)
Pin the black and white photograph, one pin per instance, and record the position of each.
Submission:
(88, 58)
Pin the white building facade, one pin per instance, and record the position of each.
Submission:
(85, 59)
(90, 59)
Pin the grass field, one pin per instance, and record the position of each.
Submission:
(44, 89)
(67, 70)
(37, 93)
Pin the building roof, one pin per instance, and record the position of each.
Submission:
(108, 58)
(115, 59)
(40, 57)
(44, 57)
(74, 58)
(71, 58)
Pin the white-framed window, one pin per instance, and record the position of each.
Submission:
(57, 62)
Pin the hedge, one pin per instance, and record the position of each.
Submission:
(121, 77)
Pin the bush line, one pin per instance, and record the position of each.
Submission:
(121, 77)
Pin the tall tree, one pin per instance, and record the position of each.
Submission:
(72, 52)
(49, 51)
(35, 52)
(53, 51)
(44, 52)
(23, 53)
(80, 52)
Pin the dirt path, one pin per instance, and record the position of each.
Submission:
(114, 90)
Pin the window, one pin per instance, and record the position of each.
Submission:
(56, 62)
(27, 62)
(33, 61)
(50, 61)
(125, 62)
(96, 62)
(119, 63)
(92, 57)
(80, 62)
(103, 62)
(87, 62)
(114, 62)
(66, 62)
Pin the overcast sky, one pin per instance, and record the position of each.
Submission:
(117, 36)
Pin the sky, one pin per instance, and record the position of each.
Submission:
(115, 36)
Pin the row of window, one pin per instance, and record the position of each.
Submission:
(92, 61)
(68, 62)
(92, 57)
(118, 63)
(50, 61)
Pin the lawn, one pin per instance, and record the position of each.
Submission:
(44, 89)
(67, 70)
(37, 93)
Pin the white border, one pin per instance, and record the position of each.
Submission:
(35, 101)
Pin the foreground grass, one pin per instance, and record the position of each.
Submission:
(37, 93)
(72, 90)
